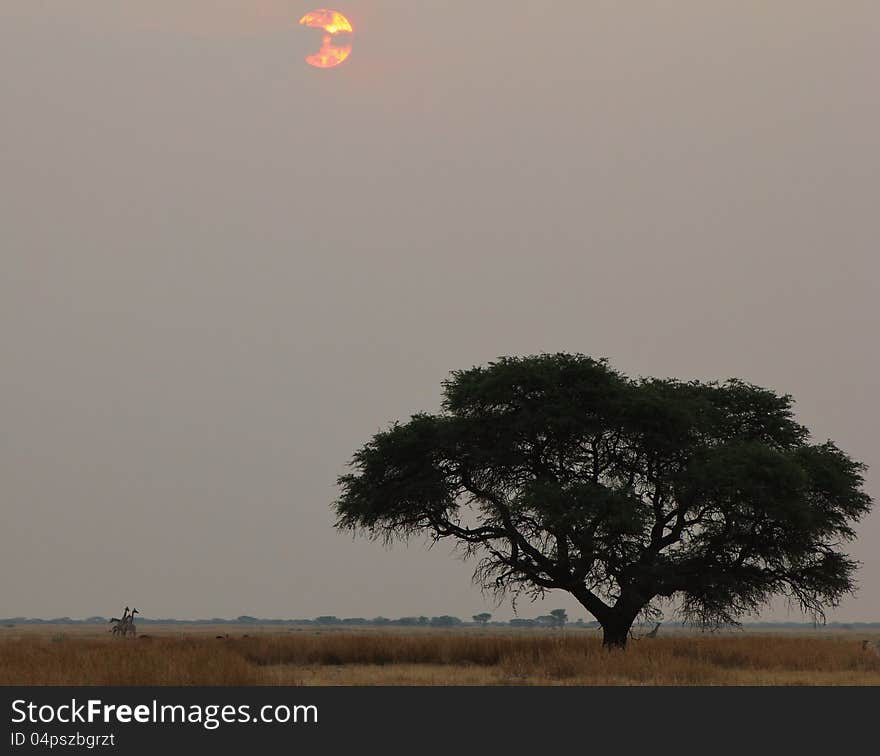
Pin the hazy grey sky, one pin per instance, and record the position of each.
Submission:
(222, 270)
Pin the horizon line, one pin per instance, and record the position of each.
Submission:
(380, 619)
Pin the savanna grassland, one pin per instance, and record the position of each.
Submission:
(77, 655)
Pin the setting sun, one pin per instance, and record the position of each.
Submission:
(334, 24)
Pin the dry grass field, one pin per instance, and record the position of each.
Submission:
(84, 655)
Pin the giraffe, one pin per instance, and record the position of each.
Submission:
(129, 626)
(119, 627)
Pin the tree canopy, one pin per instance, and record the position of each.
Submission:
(558, 472)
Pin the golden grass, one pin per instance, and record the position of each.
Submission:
(434, 658)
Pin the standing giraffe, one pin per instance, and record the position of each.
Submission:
(129, 627)
(119, 627)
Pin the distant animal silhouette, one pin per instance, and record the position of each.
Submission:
(119, 627)
(125, 624)
(130, 629)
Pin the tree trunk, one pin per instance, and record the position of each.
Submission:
(616, 620)
(617, 623)
(615, 633)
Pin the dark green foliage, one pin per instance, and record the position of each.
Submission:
(445, 621)
(558, 472)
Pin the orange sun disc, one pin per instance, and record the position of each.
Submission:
(336, 27)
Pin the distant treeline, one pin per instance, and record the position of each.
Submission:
(329, 620)
(555, 619)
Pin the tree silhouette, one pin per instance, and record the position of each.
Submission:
(558, 472)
